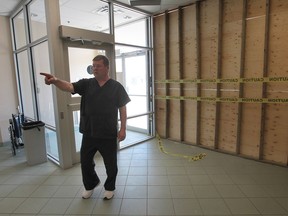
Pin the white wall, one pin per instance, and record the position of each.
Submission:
(8, 89)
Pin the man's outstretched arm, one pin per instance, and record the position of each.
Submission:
(61, 84)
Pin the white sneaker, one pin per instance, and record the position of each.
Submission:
(108, 195)
(87, 194)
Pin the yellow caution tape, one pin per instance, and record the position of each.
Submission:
(189, 157)
(233, 100)
(227, 80)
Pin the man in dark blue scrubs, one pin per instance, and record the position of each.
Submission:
(101, 98)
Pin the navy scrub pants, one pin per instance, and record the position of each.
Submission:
(108, 150)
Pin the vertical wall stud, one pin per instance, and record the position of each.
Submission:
(181, 61)
(167, 72)
(265, 73)
(242, 67)
(198, 72)
(219, 68)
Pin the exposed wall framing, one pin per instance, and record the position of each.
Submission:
(224, 39)
(255, 57)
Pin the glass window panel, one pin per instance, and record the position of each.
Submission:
(136, 76)
(37, 19)
(119, 71)
(137, 105)
(51, 143)
(137, 131)
(19, 30)
(139, 124)
(137, 33)
(124, 16)
(91, 14)
(44, 92)
(77, 134)
(132, 73)
(25, 85)
(119, 66)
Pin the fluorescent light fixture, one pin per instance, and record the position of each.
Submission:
(144, 2)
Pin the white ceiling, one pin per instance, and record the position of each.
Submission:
(7, 6)
(91, 14)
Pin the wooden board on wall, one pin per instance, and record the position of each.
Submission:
(276, 121)
(190, 64)
(159, 67)
(231, 63)
(254, 61)
(174, 73)
(209, 23)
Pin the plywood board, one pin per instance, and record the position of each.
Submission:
(209, 24)
(250, 130)
(174, 119)
(159, 48)
(160, 117)
(276, 136)
(231, 63)
(207, 126)
(173, 46)
(253, 67)
(190, 46)
(160, 74)
(190, 122)
(190, 65)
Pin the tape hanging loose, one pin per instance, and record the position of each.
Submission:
(188, 157)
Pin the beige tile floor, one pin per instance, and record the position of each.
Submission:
(149, 183)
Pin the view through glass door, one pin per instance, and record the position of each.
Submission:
(131, 72)
(79, 59)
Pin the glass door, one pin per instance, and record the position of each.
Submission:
(79, 58)
(133, 72)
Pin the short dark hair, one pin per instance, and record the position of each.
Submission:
(102, 57)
